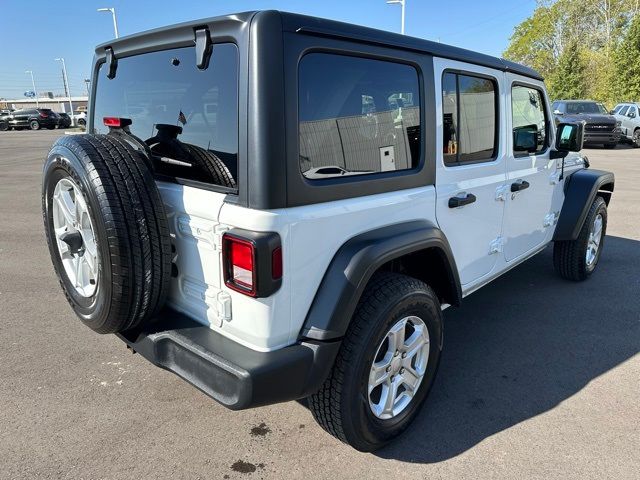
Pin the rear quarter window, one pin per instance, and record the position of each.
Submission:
(357, 116)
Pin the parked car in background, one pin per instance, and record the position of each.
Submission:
(33, 118)
(64, 120)
(627, 115)
(4, 120)
(80, 118)
(600, 128)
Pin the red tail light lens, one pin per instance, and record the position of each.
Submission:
(116, 122)
(276, 264)
(43, 115)
(239, 257)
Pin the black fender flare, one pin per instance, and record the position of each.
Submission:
(580, 191)
(357, 260)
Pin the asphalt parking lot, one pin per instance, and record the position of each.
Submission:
(540, 378)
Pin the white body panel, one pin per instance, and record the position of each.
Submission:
(311, 235)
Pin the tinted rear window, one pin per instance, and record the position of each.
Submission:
(160, 91)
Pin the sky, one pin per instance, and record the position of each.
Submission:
(35, 32)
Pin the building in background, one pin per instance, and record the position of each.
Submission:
(57, 104)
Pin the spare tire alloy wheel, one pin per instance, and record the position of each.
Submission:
(107, 231)
(75, 237)
(34, 125)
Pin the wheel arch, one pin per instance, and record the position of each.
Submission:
(416, 248)
(581, 189)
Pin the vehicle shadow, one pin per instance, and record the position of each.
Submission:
(520, 346)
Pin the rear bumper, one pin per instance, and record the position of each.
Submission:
(230, 373)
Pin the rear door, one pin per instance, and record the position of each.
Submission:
(470, 165)
(531, 174)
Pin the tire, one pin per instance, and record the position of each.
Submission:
(342, 406)
(51, 127)
(127, 222)
(82, 122)
(635, 141)
(610, 146)
(34, 125)
(570, 257)
(214, 170)
(4, 127)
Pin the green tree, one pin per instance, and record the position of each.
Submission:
(595, 36)
(568, 79)
(627, 64)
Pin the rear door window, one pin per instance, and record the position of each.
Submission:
(188, 116)
(361, 118)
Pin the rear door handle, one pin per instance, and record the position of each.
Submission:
(455, 202)
(519, 185)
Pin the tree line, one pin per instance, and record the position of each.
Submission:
(583, 48)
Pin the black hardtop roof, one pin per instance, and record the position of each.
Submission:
(304, 24)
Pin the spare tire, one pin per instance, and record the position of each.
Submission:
(107, 231)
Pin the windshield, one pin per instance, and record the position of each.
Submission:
(582, 107)
(189, 117)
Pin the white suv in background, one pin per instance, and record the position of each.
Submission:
(628, 116)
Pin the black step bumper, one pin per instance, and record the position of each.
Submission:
(236, 376)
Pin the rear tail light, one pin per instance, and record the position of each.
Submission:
(252, 262)
(241, 262)
(116, 122)
(43, 115)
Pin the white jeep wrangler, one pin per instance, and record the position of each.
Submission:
(278, 207)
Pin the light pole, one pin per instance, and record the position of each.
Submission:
(113, 14)
(66, 84)
(401, 3)
(33, 83)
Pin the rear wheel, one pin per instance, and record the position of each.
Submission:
(577, 259)
(636, 138)
(107, 231)
(34, 125)
(386, 364)
(4, 126)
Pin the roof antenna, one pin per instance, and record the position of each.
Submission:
(204, 47)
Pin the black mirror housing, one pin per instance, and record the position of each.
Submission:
(569, 137)
(525, 139)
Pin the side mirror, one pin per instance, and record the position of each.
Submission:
(525, 139)
(612, 112)
(557, 112)
(632, 115)
(569, 137)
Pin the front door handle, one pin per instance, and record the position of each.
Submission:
(455, 202)
(519, 185)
